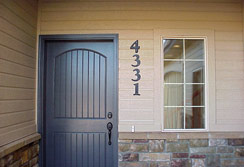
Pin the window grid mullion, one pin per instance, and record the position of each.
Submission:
(195, 60)
(184, 90)
(168, 83)
(183, 106)
(184, 84)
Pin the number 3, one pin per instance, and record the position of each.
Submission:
(137, 60)
(137, 75)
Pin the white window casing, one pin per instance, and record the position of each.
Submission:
(208, 37)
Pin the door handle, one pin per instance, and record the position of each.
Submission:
(109, 127)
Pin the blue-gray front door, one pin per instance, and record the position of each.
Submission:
(80, 104)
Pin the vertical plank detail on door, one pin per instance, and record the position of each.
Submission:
(70, 146)
(96, 86)
(68, 85)
(74, 84)
(102, 81)
(57, 87)
(85, 84)
(80, 85)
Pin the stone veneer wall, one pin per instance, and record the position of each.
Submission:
(26, 156)
(182, 153)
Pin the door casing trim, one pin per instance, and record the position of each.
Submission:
(41, 79)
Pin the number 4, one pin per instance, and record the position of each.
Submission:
(135, 46)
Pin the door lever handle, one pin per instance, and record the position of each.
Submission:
(109, 127)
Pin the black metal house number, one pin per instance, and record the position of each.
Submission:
(137, 78)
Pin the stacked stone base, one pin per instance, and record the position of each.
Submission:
(182, 153)
(26, 156)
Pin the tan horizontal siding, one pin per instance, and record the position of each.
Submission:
(230, 85)
(127, 74)
(20, 12)
(7, 129)
(196, 1)
(235, 104)
(11, 55)
(11, 106)
(144, 44)
(12, 30)
(139, 25)
(33, 3)
(225, 114)
(138, 19)
(16, 20)
(227, 95)
(128, 94)
(18, 25)
(27, 7)
(125, 84)
(226, 65)
(16, 82)
(231, 55)
(16, 118)
(136, 104)
(229, 45)
(12, 42)
(228, 36)
(123, 54)
(133, 15)
(136, 115)
(229, 78)
(17, 93)
(18, 133)
(142, 6)
(16, 69)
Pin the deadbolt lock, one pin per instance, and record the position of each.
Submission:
(110, 115)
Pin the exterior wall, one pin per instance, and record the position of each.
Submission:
(181, 153)
(26, 156)
(23, 153)
(141, 20)
(18, 20)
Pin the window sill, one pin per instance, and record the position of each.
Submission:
(180, 135)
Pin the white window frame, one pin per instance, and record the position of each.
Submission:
(204, 38)
(209, 34)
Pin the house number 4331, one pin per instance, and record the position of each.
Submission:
(135, 46)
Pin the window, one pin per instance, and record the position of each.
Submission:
(184, 83)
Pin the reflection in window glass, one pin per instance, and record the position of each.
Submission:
(173, 72)
(194, 71)
(194, 48)
(184, 84)
(195, 117)
(173, 117)
(194, 95)
(174, 95)
(173, 48)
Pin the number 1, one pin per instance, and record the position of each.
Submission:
(136, 90)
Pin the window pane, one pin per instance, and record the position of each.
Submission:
(173, 48)
(195, 117)
(194, 48)
(173, 118)
(173, 95)
(194, 72)
(194, 95)
(173, 72)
